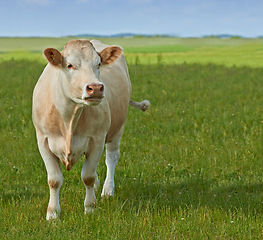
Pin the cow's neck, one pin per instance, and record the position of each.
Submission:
(70, 113)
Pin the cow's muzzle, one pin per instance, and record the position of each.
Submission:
(93, 93)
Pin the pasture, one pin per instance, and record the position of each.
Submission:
(191, 167)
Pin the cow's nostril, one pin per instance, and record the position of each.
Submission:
(101, 88)
(89, 89)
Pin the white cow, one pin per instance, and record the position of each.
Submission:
(80, 102)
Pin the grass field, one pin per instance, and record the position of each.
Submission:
(227, 52)
(191, 167)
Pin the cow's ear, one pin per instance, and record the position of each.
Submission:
(53, 56)
(110, 54)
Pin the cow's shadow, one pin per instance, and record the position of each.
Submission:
(195, 192)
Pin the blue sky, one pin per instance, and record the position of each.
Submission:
(184, 18)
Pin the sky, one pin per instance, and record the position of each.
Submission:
(183, 18)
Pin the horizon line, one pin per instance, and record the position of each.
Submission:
(127, 35)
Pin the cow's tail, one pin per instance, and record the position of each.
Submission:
(144, 105)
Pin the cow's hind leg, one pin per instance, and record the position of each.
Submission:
(112, 157)
(55, 178)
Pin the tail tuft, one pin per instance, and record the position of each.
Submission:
(143, 106)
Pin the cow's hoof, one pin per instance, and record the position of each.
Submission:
(89, 210)
(52, 215)
(107, 195)
(108, 190)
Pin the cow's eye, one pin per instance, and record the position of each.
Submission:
(70, 66)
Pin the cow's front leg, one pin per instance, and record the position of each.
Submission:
(88, 172)
(55, 178)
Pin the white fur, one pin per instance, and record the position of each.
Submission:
(144, 105)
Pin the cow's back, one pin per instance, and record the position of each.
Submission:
(117, 90)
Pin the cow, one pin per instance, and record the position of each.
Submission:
(80, 105)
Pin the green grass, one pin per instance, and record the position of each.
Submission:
(227, 52)
(191, 167)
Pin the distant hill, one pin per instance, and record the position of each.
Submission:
(129, 35)
(222, 36)
(124, 35)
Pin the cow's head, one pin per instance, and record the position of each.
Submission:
(79, 69)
